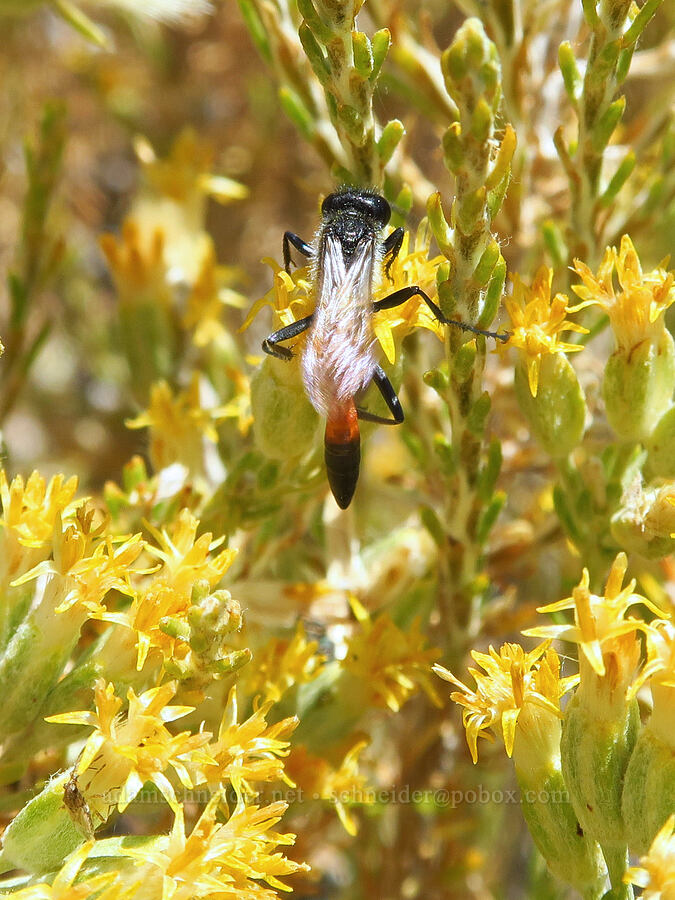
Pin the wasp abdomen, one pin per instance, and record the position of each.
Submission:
(342, 446)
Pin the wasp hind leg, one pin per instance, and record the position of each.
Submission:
(300, 245)
(389, 396)
(399, 297)
(271, 344)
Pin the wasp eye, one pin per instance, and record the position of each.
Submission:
(380, 207)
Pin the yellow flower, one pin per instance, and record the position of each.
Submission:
(280, 663)
(186, 170)
(127, 750)
(68, 886)
(224, 860)
(344, 785)
(390, 663)
(292, 296)
(137, 264)
(87, 564)
(179, 424)
(186, 560)
(205, 302)
(29, 514)
(656, 872)
(511, 681)
(600, 627)
(246, 752)
(636, 311)
(173, 201)
(537, 321)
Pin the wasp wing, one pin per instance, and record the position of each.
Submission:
(338, 361)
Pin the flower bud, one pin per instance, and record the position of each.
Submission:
(646, 521)
(595, 750)
(661, 446)
(41, 836)
(649, 789)
(557, 414)
(570, 854)
(285, 423)
(638, 385)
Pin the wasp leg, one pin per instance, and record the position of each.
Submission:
(392, 245)
(399, 297)
(386, 388)
(270, 344)
(300, 245)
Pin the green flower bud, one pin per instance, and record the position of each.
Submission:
(646, 521)
(649, 789)
(41, 836)
(595, 747)
(661, 446)
(558, 412)
(638, 386)
(569, 853)
(285, 423)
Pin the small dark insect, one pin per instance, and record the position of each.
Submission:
(77, 806)
(339, 362)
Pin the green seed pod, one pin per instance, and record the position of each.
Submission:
(649, 790)
(43, 833)
(638, 386)
(661, 446)
(284, 421)
(558, 412)
(595, 751)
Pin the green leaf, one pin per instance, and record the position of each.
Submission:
(256, 29)
(314, 21)
(604, 127)
(74, 16)
(619, 178)
(640, 22)
(389, 140)
(570, 72)
(380, 47)
(315, 54)
(297, 112)
(363, 54)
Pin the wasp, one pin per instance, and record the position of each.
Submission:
(347, 259)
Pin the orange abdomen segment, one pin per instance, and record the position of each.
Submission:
(342, 452)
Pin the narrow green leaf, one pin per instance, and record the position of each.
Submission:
(619, 178)
(555, 243)
(363, 54)
(319, 28)
(433, 525)
(380, 47)
(640, 22)
(314, 53)
(389, 140)
(570, 72)
(297, 112)
(256, 29)
(489, 516)
(604, 127)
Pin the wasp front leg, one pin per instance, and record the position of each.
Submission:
(271, 344)
(399, 297)
(300, 245)
(392, 246)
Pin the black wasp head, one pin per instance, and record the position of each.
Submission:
(361, 202)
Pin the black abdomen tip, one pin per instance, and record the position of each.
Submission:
(342, 467)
